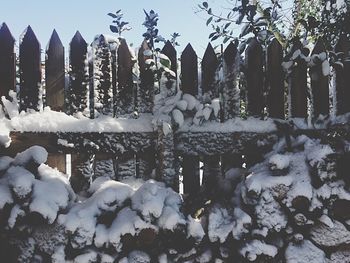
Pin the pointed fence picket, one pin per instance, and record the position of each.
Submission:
(106, 82)
(319, 83)
(30, 70)
(342, 78)
(298, 86)
(275, 80)
(7, 62)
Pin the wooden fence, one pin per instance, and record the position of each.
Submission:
(107, 86)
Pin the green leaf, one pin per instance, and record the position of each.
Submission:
(165, 62)
(209, 20)
(114, 29)
(112, 15)
(205, 4)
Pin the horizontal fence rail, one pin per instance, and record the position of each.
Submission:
(105, 78)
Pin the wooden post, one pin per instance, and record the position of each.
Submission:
(319, 84)
(7, 62)
(102, 77)
(125, 166)
(189, 71)
(77, 93)
(298, 87)
(342, 78)
(55, 85)
(275, 80)
(124, 100)
(255, 79)
(30, 70)
(145, 94)
(189, 84)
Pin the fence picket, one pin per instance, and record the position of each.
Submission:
(145, 96)
(102, 77)
(189, 71)
(54, 73)
(209, 65)
(7, 62)
(298, 87)
(55, 85)
(255, 78)
(30, 70)
(77, 93)
(125, 91)
(170, 52)
(275, 80)
(189, 82)
(342, 78)
(319, 84)
(231, 93)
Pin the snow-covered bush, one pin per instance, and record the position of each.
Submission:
(291, 207)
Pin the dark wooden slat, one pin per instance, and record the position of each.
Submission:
(102, 76)
(230, 96)
(124, 101)
(342, 79)
(170, 52)
(319, 84)
(211, 173)
(275, 80)
(77, 93)
(7, 62)
(298, 87)
(189, 71)
(255, 78)
(190, 172)
(209, 66)
(146, 89)
(30, 70)
(54, 73)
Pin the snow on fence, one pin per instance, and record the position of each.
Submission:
(107, 85)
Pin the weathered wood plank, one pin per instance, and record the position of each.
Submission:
(30, 70)
(189, 71)
(275, 80)
(54, 73)
(77, 93)
(342, 78)
(255, 78)
(7, 62)
(319, 84)
(298, 86)
(124, 101)
(145, 94)
(57, 160)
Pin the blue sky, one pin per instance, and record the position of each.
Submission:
(90, 18)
